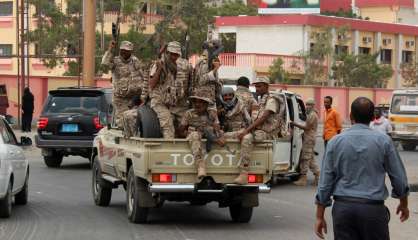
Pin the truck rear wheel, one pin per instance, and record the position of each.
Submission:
(136, 213)
(53, 161)
(102, 194)
(407, 146)
(240, 214)
(148, 123)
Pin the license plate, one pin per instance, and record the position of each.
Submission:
(69, 128)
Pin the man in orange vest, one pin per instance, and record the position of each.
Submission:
(332, 121)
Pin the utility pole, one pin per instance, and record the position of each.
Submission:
(89, 33)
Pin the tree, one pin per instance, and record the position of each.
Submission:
(409, 72)
(277, 73)
(361, 71)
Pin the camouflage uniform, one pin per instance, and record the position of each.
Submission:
(246, 97)
(129, 122)
(206, 81)
(195, 132)
(307, 158)
(127, 79)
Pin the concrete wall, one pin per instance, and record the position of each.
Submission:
(284, 40)
(379, 14)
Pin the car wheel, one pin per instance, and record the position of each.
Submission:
(22, 197)
(409, 146)
(149, 125)
(240, 214)
(6, 203)
(53, 161)
(136, 213)
(102, 194)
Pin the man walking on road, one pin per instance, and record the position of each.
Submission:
(307, 158)
(332, 123)
(353, 172)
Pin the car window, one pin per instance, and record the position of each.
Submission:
(301, 108)
(73, 104)
(12, 136)
(5, 136)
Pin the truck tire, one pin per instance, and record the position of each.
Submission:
(136, 213)
(22, 197)
(53, 161)
(148, 124)
(409, 146)
(102, 194)
(6, 203)
(240, 214)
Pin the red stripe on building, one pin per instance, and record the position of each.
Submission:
(384, 3)
(316, 20)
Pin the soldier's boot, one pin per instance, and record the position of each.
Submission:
(303, 181)
(242, 178)
(316, 180)
(201, 169)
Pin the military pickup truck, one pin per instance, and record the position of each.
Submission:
(154, 170)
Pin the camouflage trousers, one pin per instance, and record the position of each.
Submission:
(120, 105)
(164, 117)
(247, 145)
(197, 147)
(129, 123)
(307, 160)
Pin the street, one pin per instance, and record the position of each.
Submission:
(61, 207)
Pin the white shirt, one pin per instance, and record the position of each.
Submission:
(382, 125)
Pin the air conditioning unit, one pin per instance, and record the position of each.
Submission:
(369, 39)
(387, 41)
(409, 44)
(341, 37)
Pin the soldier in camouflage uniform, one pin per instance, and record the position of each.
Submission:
(266, 123)
(193, 125)
(169, 84)
(130, 117)
(127, 77)
(244, 94)
(307, 158)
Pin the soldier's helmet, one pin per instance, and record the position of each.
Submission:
(201, 98)
(262, 79)
(174, 47)
(126, 45)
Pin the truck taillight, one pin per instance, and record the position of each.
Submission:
(42, 123)
(163, 177)
(255, 178)
(97, 124)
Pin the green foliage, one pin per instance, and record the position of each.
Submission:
(277, 73)
(361, 71)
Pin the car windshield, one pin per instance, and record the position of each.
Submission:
(72, 104)
(405, 104)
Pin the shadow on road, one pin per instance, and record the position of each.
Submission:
(78, 166)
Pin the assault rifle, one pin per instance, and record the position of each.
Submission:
(116, 33)
(214, 48)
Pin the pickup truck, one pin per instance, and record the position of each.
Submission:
(154, 170)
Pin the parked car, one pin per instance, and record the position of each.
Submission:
(14, 169)
(69, 121)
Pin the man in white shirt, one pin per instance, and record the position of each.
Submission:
(380, 123)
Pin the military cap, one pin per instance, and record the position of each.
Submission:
(227, 90)
(243, 81)
(174, 47)
(310, 101)
(201, 98)
(262, 80)
(126, 45)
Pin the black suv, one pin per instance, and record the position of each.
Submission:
(69, 121)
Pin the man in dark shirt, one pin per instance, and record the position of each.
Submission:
(353, 172)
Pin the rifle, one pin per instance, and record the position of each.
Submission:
(186, 46)
(212, 137)
(116, 32)
(214, 48)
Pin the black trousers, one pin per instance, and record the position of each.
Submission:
(27, 121)
(360, 221)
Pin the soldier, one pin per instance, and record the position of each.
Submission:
(195, 124)
(206, 80)
(307, 158)
(244, 94)
(169, 84)
(127, 77)
(266, 124)
(130, 118)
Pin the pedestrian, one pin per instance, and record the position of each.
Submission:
(332, 123)
(195, 123)
(307, 158)
(353, 173)
(128, 78)
(380, 123)
(27, 109)
(245, 95)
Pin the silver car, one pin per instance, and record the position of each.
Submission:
(14, 169)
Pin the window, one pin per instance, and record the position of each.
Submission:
(72, 104)
(5, 49)
(407, 56)
(6, 8)
(386, 56)
(341, 50)
(364, 50)
(6, 136)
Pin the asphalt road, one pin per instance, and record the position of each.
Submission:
(61, 207)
